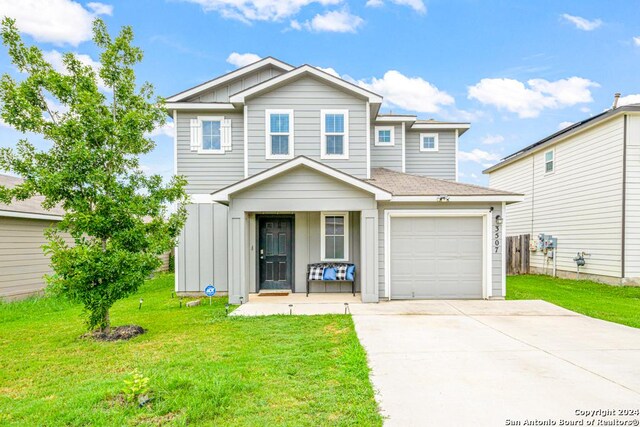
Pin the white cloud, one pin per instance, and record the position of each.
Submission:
(492, 139)
(636, 41)
(629, 99)
(242, 59)
(258, 10)
(296, 25)
(336, 21)
(100, 8)
(563, 125)
(417, 5)
(329, 70)
(529, 100)
(164, 130)
(408, 93)
(55, 58)
(585, 109)
(478, 156)
(55, 21)
(582, 23)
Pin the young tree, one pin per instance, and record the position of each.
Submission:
(116, 215)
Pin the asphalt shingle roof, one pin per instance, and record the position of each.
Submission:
(404, 184)
(32, 205)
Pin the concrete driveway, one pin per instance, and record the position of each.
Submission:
(492, 363)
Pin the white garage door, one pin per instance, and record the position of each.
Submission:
(436, 257)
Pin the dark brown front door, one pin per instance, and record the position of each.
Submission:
(275, 252)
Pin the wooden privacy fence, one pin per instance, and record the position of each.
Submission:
(518, 254)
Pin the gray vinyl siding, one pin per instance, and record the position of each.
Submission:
(435, 164)
(22, 261)
(221, 93)
(580, 203)
(389, 157)
(302, 189)
(632, 241)
(496, 256)
(206, 173)
(202, 249)
(307, 96)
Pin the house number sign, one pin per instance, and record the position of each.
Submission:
(496, 239)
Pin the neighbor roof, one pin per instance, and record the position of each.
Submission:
(29, 208)
(405, 184)
(568, 131)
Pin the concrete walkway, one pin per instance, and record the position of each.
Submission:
(481, 363)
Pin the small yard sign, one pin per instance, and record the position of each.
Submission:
(210, 291)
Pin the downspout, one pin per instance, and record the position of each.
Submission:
(246, 141)
(368, 139)
(624, 196)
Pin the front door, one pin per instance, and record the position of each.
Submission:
(275, 252)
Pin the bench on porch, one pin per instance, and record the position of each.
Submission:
(319, 277)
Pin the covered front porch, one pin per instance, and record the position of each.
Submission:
(299, 213)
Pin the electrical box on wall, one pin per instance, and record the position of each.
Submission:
(545, 242)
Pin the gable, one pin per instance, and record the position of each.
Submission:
(222, 92)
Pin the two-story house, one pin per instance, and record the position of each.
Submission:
(581, 186)
(288, 166)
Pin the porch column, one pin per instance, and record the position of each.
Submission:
(236, 257)
(369, 255)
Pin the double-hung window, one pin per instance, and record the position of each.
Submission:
(549, 161)
(210, 134)
(334, 134)
(384, 136)
(335, 236)
(279, 132)
(428, 142)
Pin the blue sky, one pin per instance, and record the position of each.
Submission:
(517, 70)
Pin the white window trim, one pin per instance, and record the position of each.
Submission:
(267, 133)
(323, 215)
(553, 161)
(435, 142)
(323, 134)
(201, 119)
(392, 141)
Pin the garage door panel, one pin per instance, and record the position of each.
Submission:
(436, 257)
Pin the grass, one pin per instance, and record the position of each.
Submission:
(204, 368)
(620, 304)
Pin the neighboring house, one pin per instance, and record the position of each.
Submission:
(582, 186)
(288, 166)
(22, 261)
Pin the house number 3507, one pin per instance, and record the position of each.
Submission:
(496, 239)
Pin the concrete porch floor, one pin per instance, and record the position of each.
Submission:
(315, 303)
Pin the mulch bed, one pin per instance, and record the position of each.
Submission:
(120, 333)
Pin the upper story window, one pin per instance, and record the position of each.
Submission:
(211, 135)
(549, 161)
(334, 134)
(335, 236)
(384, 136)
(279, 133)
(428, 142)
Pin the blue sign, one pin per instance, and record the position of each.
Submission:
(210, 290)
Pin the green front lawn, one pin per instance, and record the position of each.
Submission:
(204, 368)
(620, 304)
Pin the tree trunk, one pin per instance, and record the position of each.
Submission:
(106, 323)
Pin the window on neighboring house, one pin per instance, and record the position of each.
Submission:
(279, 144)
(548, 161)
(335, 236)
(428, 142)
(384, 135)
(335, 134)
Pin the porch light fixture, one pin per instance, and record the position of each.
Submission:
(498, 219)
(442, 198)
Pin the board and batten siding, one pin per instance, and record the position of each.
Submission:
(439, 164)
(632, 241)
(383, 156)
(22, 261)
(580, 202)
(206, 172)
(496, 256)
(221, 93)
(306, 97)
(201, 255)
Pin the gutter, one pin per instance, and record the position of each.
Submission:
(28, 215)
